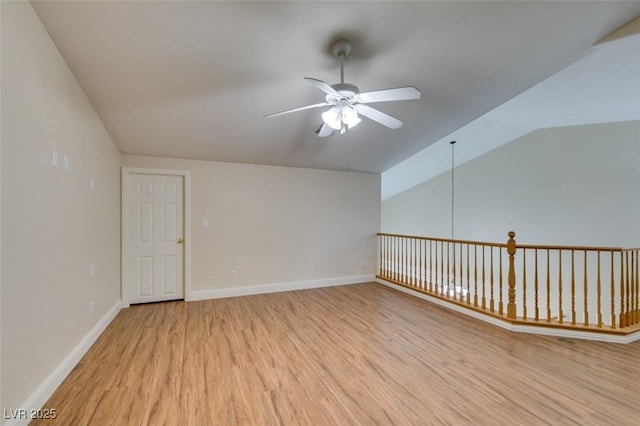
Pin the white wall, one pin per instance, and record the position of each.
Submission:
(53, 225)
(276, 225)
(568, 185)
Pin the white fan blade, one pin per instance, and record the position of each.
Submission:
(386, 95)
(297, 109)
(324, 130)
(325, 87)
(378, 116)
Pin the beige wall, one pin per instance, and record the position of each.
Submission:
(53, 225)
(567, 185)
(276, 225)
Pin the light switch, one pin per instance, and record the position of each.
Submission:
(92, 184)
(205, 223)
(54, 158)
(67, 163)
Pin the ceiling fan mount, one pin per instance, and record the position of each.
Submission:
(341, 47)
(347, 102)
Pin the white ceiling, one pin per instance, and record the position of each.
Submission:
(193, 79)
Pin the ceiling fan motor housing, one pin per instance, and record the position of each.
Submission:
(346, 87)
(346, 90)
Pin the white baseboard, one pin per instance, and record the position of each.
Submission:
(519, 328)
(277, 287)
(40, 396)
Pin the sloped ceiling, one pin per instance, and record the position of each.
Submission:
(602, 87)
(194, 79)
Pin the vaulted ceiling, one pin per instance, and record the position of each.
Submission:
(193, 79)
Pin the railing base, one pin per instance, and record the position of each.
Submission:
(623, 336)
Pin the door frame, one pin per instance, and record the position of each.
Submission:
(186, 176)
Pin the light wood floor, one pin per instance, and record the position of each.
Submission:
(351, 355)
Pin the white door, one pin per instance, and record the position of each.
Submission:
(155, 251)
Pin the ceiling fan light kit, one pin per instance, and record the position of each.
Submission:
(340, 117)
(346, 101)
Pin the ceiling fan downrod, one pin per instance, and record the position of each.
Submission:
(341, 49)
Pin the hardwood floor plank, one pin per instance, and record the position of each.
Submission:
(358, 354)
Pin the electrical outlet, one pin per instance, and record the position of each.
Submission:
(364, 264)
(91, 308)
(92, 270)
(234, 275)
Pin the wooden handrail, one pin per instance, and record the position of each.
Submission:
(524, 246)
(576, 248)
(445, 240)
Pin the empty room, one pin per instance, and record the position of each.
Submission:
(320, 212)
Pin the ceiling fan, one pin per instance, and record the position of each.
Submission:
(347, 103)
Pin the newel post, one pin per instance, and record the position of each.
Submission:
(511, 250)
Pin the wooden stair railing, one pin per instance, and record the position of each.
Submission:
(588, 288)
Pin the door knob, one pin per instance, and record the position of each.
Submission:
(180, 240)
